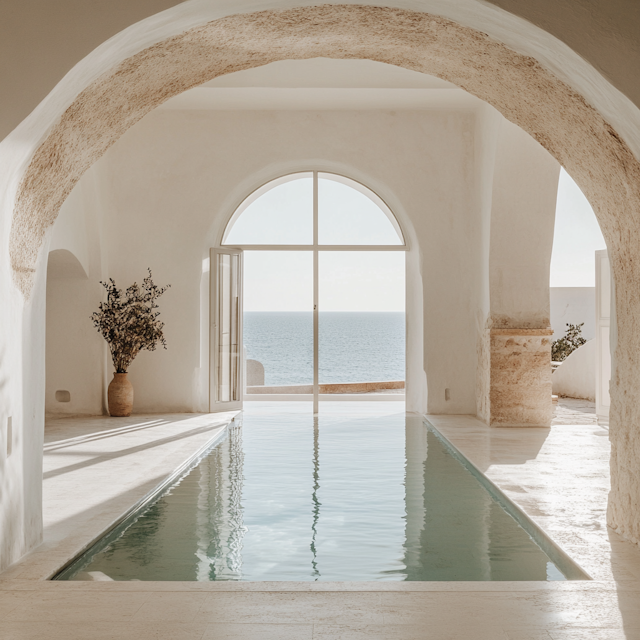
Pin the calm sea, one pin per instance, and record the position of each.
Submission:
(354, 347)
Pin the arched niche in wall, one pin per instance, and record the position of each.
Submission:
(64, 264)
(73, 363)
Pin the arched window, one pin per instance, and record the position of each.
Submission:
(313, 208)
(305, 237)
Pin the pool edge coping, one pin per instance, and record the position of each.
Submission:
(548, 545)
(181, 470)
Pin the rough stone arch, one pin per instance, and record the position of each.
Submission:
(516, 85)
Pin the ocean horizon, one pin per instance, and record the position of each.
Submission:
(354, 346)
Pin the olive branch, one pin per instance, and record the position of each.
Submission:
(128, 320)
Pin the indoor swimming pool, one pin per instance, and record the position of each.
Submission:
(292, 497)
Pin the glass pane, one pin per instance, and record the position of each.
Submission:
(228, 328)
(362, 322)
(348, 216)
(282, 214)
(278, 321)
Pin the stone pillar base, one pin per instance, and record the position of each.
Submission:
(520, 378)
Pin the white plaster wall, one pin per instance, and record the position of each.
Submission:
(176, 177)
(576, 376)
(75, 353)
(172, 182)
(486, 142)
(416, 388)
(22, 330)
(517, 183)
(574, 51)
(525, 187)
(70, 229)
(573, 305)
(74, 350)
(606, 335)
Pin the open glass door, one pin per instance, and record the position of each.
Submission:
(226, 373)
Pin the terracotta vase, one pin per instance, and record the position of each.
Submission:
(120, 396)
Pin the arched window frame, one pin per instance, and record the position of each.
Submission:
(315, 175)
(315, 247)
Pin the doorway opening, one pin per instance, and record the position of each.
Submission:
(581, 311)
(319, 311)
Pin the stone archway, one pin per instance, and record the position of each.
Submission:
(517, 86)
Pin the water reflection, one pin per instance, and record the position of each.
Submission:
(221, 528)
(455, 530)
(385, 501)
(314, 496)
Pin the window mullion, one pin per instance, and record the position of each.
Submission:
(316, 311)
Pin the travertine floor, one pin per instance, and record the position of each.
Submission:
(96, 468)
(574, 411)
(559, 476)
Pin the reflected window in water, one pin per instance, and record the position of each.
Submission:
(293, 497)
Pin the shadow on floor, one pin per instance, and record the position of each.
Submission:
(125, 452)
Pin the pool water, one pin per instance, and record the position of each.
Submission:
(342, 498)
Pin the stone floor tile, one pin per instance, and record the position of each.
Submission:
(595, 634)
(296, 608)
(562, 610)
(8, 602)
(525, 610)
(568, 500)
(527, 634)
(171, 606)
(100, 630)
(401, 632)
(78, 607)
(240, 631)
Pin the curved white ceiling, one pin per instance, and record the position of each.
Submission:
(323, 83)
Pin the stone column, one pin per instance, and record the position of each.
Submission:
(520, 377)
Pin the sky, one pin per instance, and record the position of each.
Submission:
(576, 237)
(370, 281)
(348, 280)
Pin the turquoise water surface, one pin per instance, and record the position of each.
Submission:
(286, 496)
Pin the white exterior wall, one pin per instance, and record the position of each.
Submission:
(573, 305)
(576, 376)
